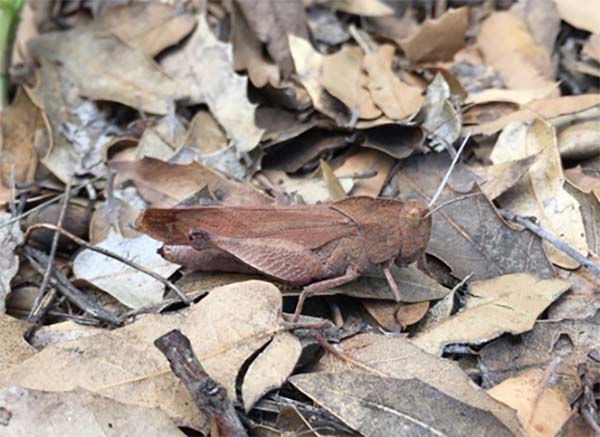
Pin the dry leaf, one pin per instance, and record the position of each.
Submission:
(343, 77)
(13, 347)
(573, 343)
(396, 140)
(118, 215)
(124, 364)
(162, 139)
(334, 187)
(271, 368)
(542, 193)
(438, 39)
(591, 48)
(10, 237)
(272, 21)
(589, 202)
(126, 284)
(580, 13)
(508, 47)
(369, 404)
(442, 120)
(468, 235)
(204, 134)
(309, 65)
(19, 123)
(395, 98)
(150, 27)
(401, 359)
(509, 303)
(541, 407)
(366, 8)
(203, 70)
(312, 190)
(362, 162)
(391, 316)
(56, 333)
(498, 178)
(164, 185)
(542, 19)
(104, 68)
(519, 96)
(78, 412)
(580, 141)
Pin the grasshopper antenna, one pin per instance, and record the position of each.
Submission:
(449, 172)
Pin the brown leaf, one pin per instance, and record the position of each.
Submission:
(591, 48)
(468, 235)
(78, 412)
(162, 139)
(509, 303)
(271, 368)
(391, 316)
(574, 342)
(369, 404)
(104, 68)
(508, 47)
(334, 187)
(124, 364)
(404, 360)
(164, 185)
(498, 178)
(10, 237)
(365, 161)
(542, 409)
(366, 8)
(273, 21)
(438, 39)
(395, 98)
(13, 347)
(150, 27)
(343, 77)
(203, 70)
(396, 140)
(589, 203)
(519, 96)
(580, 141)
(580, 14)
(541, 194)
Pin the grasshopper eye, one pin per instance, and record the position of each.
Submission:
(414, 216)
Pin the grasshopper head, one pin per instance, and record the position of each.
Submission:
(415, 224)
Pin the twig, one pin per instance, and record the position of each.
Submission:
(552, 239)
(210, 396)
(38, 261)
(47, 202)
(109, 254)
(37, 311)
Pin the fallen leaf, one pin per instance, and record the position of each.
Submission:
(104, 68)
(498, 178)
(10, 237)
(468, 235)
(396, 140)
(343, 77)
(125, 283)
(61, 332)
(508, 47)
(370, 405)
(14, 349)
(591, 48)
(272, 22)
(204, 133)
(334, 187)
(125, 366)
(309, 65)
(542, 409)
(164, 185)
(396, 99)
(391, 316)
(542, 19)
(312, 190)
(366, 8)
(509, 303)
(78, 412)
(401, 359)
(271, 368)
(573, 342)
(580, 14)
(118, 216)
(519, 96)
(541, 194)
(589, 204)
(19, 124)
(203, 70)
(438, 39)
(442, 120)
(325, 25)
(162, 139)
(438, 313)
(363, 162)
(580, 141)
(150, 27)
(550, 108)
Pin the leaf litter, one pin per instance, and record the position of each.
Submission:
(261, 104)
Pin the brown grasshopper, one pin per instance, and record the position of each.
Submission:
(315, 246)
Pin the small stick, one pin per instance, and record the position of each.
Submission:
(38, 259)
(210, 396)
(37, 312)
(552, 239)
(109, 254)
(449, 172)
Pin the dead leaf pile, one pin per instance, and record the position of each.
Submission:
(246, 105)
